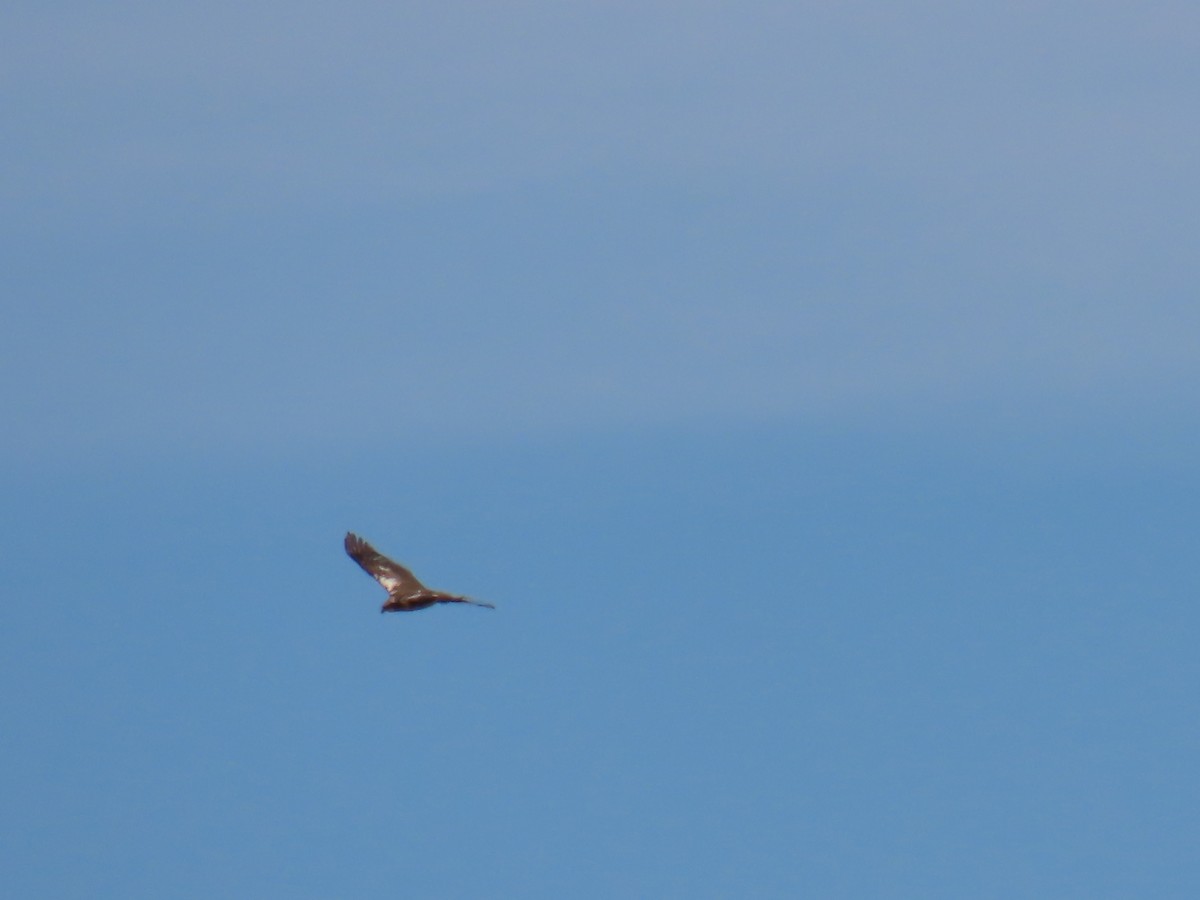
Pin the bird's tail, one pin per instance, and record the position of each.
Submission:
(475, 602)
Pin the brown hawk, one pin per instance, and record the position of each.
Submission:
(404, 591)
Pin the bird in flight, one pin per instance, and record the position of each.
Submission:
(405, 593)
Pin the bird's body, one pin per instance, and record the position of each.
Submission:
(405, 592)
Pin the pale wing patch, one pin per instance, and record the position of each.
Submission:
(390, 582)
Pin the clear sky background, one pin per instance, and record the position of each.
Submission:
(811, 386)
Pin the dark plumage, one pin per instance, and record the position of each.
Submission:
(405, 592)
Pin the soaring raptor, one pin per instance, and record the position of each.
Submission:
(404, 591)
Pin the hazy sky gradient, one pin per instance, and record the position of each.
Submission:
(812, 387)
(234, 221)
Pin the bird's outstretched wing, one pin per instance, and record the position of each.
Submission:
(387, 572)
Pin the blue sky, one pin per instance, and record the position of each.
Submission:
(812, 389)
